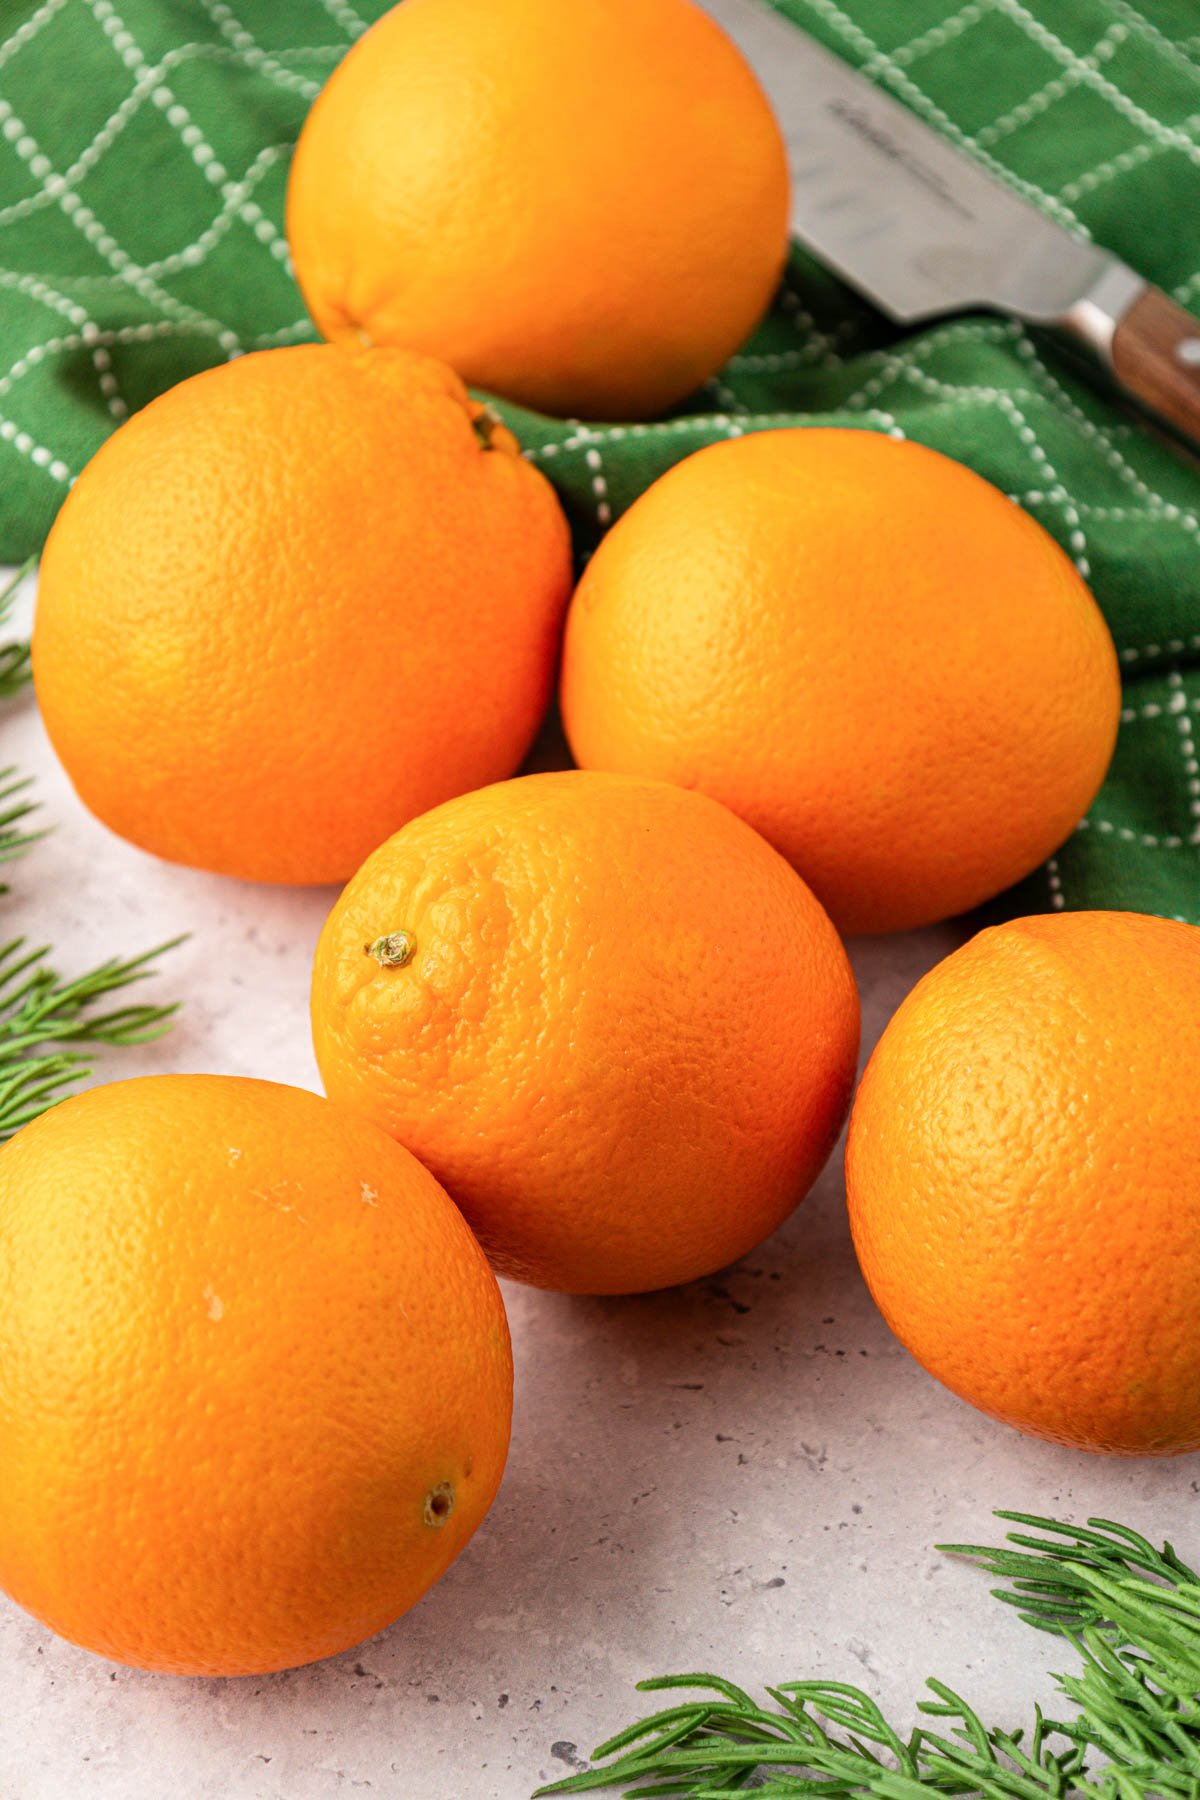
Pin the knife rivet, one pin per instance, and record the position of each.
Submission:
(1188, 352)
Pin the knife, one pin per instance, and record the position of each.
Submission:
(921, 230)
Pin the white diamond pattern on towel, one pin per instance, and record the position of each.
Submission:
(57, 188)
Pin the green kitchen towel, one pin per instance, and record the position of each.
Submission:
(143, 160)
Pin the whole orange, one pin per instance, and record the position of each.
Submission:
(582, 206)
(1023, 1174)
(294, 601)
(607, 1015)
(861, 647)
(255, 1379)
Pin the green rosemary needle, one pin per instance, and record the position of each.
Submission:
(14, 654)
(1131, 1613)
(40, 1013)
(15, 808)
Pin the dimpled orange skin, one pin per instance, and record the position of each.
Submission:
(582, 207)
(255, 1377)
(1023, 1174)
(860, 647)
(293, 602)
(626, 1037)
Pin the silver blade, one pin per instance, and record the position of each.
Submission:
(914, 224)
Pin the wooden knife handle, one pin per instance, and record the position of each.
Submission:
(1156, 356)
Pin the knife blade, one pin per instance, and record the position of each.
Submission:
(921, 230)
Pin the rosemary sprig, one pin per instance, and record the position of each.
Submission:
(38, 1009)
(15, 808)
(1132, 1613)
(14, 654)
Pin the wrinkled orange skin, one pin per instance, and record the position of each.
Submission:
(581, 206)
(293, 602)
(626, 1037)
(864, 650)
(1023, 1175)
(244, 1338)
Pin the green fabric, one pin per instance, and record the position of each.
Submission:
(143, 154)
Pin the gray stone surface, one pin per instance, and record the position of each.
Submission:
(747, 1474)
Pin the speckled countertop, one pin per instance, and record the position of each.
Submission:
(747, 1474)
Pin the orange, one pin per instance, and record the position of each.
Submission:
(861, 647)
(296, 600)
(607, 1015)
(255, 1379)
(1023, 1174)
(580, 205)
